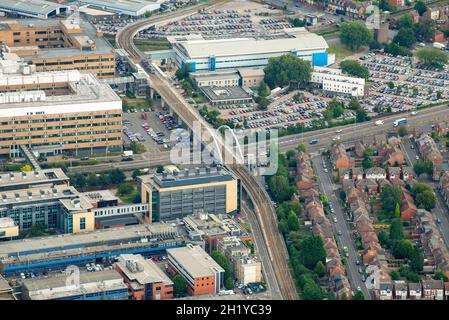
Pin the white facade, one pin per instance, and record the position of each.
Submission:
(332, 80)
(248, 271)
(128, 7)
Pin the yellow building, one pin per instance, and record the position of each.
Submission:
(8, 228)
(60, 45)
(175, 195)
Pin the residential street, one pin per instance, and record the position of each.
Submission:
(327, 187)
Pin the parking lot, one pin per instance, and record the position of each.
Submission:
(235, 19)
(413, 85)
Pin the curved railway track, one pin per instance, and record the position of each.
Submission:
(264, 212)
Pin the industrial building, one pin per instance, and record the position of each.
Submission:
(8, 228)
(244, 77)
(333, 80)
(100, 285)
(55, 112)
(247, 268)
(145, 280)
(227, 95)
(40, 9)
(134, 8)
(212, 190)
(210, 55)
(60, 251)
(55, 45)
(212, 228)
(202, 274)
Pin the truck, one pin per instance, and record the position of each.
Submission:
(127, 153)
(379, 122)
(439, 46)
(314, 141)
(399, 122)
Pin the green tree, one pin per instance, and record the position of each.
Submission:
(92, 180)
(413, 277)
(148, 14)
(320, 269)
(312, 251)
(426, 200)
(420, 6)
(79, 180)
(354, 104)
(402, 130)
(224, 263)
(136, 173)
(396, 230)
(397, 211)
(311, 291)
(125, 189)
(301, 147)
(394, 274)
(421, 167)
(280, 188)
(424, 30)
(402, 249)
(292, 221)
(439, 275)
(432, 57)
(361, 115)
(390, 85)
(355, 34)
(160, 169)
(389, 197)
(367, 163)
(406, 21)
(359, 295)
(416, 259)
(103, 180)
(397, 50)
(287, 69)
(179, 285)
(263, 90)
(384, 239)
(137, 147)
(354, 68)
(405, 37)
(117, 176)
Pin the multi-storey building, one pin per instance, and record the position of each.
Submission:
(145, 280)
(203, 275)
(333, 80)
(54, 45)
(100, 285)
(176, 195)
(55, 112)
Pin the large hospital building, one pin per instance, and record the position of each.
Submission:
(60, 45)
(211, 190)
(54, 112)
(222, 54)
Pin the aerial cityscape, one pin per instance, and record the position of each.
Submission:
(224, 150)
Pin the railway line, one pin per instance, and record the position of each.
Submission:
(264, 211)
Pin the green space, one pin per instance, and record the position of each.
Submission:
(340, 51)
(127, 192)
(152, 44)
(136, 103)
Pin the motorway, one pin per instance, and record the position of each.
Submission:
(327, 188)
(266, 216)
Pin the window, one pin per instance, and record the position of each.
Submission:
(82, 223)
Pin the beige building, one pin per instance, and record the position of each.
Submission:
(54, 45)
(211, 190)
(8, 228)
(55, 112)
(251, 77)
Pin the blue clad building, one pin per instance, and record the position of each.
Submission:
(221, 54)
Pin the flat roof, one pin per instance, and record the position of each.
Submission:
(123, 5)
(195, 261)
(56, 287)
(31, 6)
(251, 72)
(45, 176)
(142, 270)
(4, 285)
(38, 194)
(250, 46)
(102, 46)
(7, 222)
(225, 93)
(80, 240)
(170, 180)
(99, 195)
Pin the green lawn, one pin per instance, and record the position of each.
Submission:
(136, 103)
(340, 51)
(152, 44)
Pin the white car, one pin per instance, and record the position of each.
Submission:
(335, 220)
(417, 157)
(336, 138)
(413, 113)
(325, 170)
(338, 131)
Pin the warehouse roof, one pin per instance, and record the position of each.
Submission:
(246, 46)
(142, 270)
(37, 7)
(123, 5)
(195, 261)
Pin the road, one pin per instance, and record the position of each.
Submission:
(440, 211)
(327, 187)
(265, 214)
